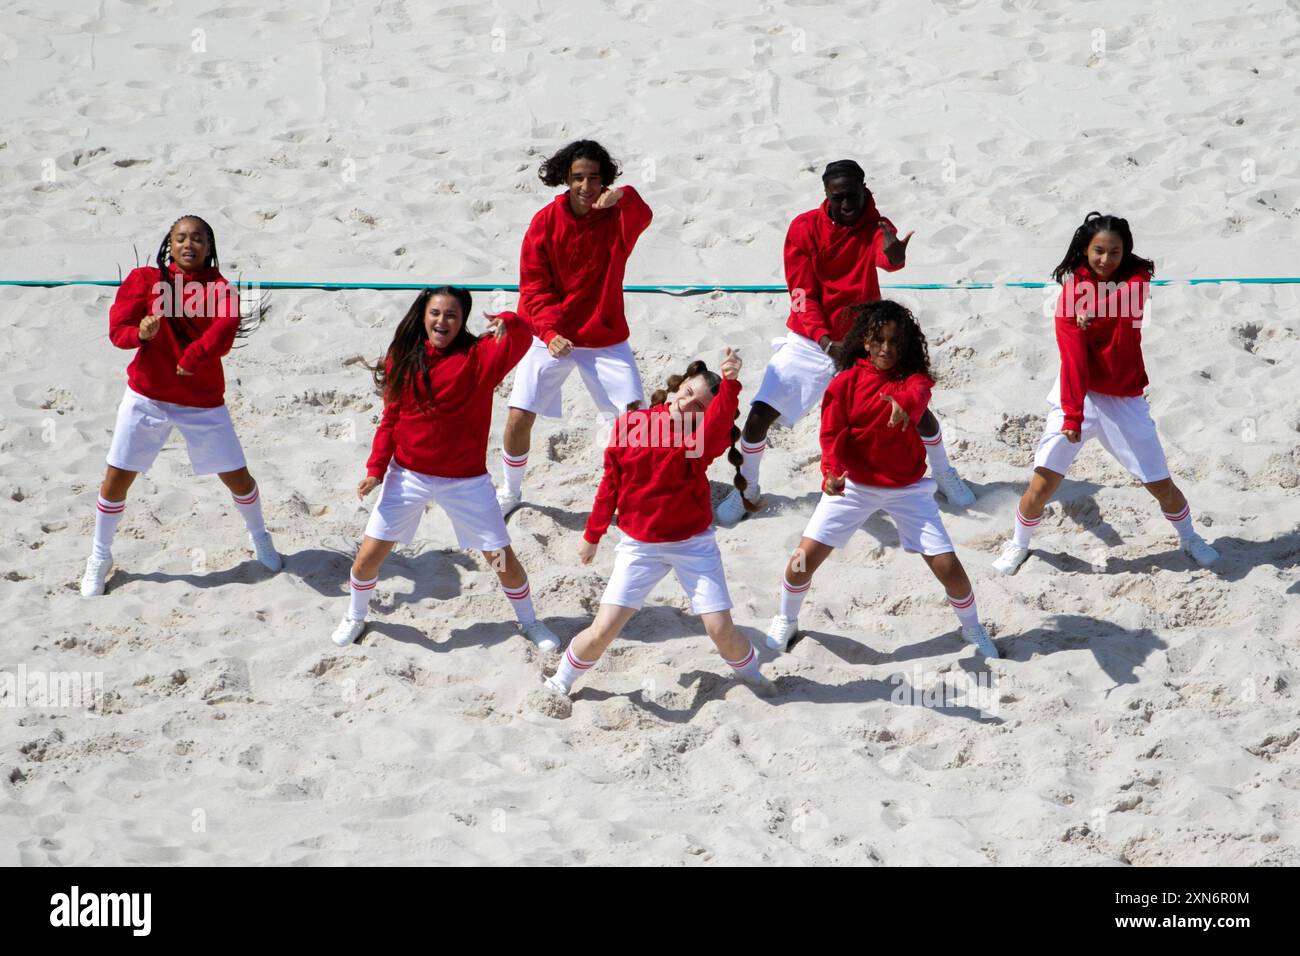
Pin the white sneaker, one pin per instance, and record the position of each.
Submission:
(541, 635)
(1195, 546)
(508, 500)
(975, 634)
(96, 576)
(554, 686)
(266, 552)
(781, 630)
(1011, 558)
(736, 507)
(954, 489)
(347, 632)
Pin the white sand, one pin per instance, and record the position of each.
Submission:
(1145, 713)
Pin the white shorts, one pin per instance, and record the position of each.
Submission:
(796, 377)
(470, 503)
(913, 508)
(697, 562)
(1122, 425)
(609, 373)
(144, 425)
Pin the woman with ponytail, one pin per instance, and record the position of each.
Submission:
(181, 317)
(656, 480)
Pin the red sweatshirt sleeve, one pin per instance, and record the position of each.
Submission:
(878, 243)
(385, 442)
(1074, 363)
(540, 300)
(835, 424)
(801, 279)
(497, 357)
(914, 396)
(635, 216)
(130, 305)
(719, 418)
(219, 336)
(602, 509)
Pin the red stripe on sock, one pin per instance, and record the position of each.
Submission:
(739, 664)
(936, 440)
(363, 586)
(517, 595)
(246, 501)
(1181, 515)
(793, 589)
(580, 665)
(751, 449)
(1028, 522)
(515, 462)
(964, 602)
(111, 511)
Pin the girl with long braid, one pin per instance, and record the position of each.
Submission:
(656, 479)
(181, 317)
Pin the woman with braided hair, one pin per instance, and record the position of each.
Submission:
(181, 317)
(656, 479)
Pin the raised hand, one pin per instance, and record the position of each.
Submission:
(496, 327)
(608, 198)
(731, 365)
(149, 326)
(895, 248)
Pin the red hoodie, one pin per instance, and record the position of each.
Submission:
(659, 491)
(856, 437)
(571, 270)
(448, 437)
(1107, 356)
(196, 341)
(829, 267)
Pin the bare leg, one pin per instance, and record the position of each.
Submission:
(518, 434)
(116, 483)
(509, 571)
(1172, 501)
(805, 560)
(731, 644)
(1042, 486)
(928, 426)
(240, 482)
(600, 633)
(370, 558)
(950, 573)
(758, 422)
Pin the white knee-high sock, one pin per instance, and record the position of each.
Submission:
(108, 515)
(1024, 528)
(571, 668)
(752, 455)
(747, 666)
(964, 608)
(792, 597)
(362, 591)
(935, 453)
(250, 507)
(522, 603)
(1182, 522)
(512, 471)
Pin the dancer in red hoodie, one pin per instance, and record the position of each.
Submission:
(1099, 391)
(571, 292)
(656, 480)
(431, 446)
(181, 318)
(873, 459)
(831, 257)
